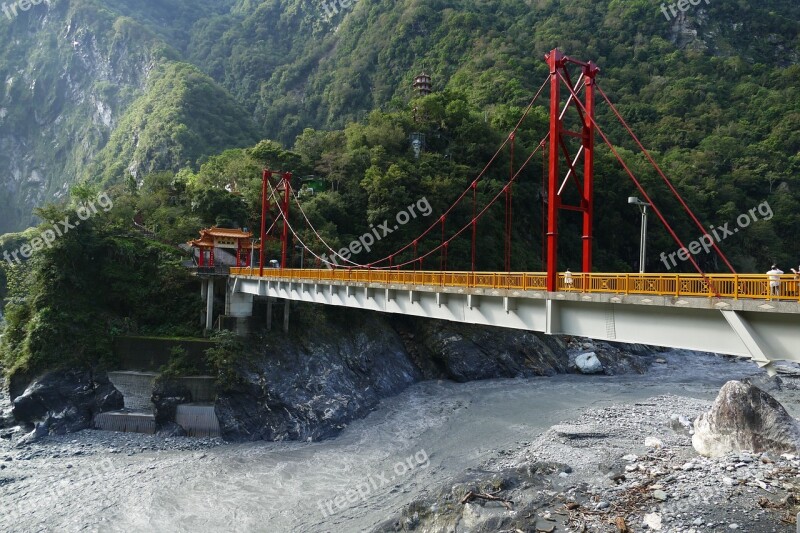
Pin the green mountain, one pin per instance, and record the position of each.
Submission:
(105, 91)
(182, 117)
(71, 70)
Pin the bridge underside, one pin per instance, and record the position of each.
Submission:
(762, 331)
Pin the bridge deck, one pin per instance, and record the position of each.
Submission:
(730, 286)
(736, 315)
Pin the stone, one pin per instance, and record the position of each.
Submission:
(660, 495)
(765, 382)
(631, 457)
(588, 363)
(652, 521)
(168, 394)
(171, 429)
(680, 424)
(743, 417)
(653, 442)
(39, 432)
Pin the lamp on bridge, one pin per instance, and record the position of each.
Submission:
(643, 238)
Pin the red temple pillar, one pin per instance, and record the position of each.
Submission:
(211, 257)
(202, 252)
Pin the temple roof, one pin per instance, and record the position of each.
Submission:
(207, 236)
(226, 232)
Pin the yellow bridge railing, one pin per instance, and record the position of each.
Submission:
(734, 286)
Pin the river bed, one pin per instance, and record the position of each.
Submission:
(406, 448)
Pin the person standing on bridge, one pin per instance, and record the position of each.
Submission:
(796, 280)
(775, 280)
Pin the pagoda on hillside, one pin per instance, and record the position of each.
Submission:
(423, 84)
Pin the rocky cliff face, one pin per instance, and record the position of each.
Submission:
(311, 388)
(70, 69)
(67, 75)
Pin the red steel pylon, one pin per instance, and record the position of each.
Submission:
(559, 150)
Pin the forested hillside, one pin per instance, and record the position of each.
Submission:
(103, 91)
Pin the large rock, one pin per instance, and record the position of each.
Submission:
(745, 417)
(588, 363)
(168, 394)
(66, 400)
(310, 388)
(464, 352)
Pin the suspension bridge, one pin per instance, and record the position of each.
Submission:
(747, 315)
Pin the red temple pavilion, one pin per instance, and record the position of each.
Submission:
(226, 239)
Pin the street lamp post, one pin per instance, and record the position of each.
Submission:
(643, 237)
(302, 254)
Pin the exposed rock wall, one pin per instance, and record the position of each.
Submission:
(311, 387)
(65, 401)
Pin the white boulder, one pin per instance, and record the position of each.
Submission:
(588, 363)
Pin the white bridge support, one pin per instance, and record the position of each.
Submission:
(755, 329)
(209, 292)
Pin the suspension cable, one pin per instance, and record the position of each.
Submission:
(665, 178)
(635, 180)
(481, 213)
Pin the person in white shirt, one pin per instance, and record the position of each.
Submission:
(568, 281)
(775, 280)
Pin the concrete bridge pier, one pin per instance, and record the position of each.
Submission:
(286, 313)
(209, 290)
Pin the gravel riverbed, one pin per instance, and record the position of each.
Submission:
(571, 448)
